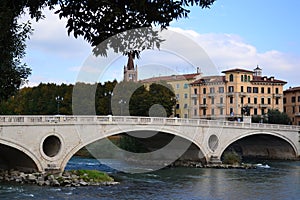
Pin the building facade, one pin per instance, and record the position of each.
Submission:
(182, 90)
(291, 103)
(237, 93)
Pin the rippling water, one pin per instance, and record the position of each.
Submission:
(281, 181)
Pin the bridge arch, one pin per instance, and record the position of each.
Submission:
(19, 157)
(130, 130)
(286, 149)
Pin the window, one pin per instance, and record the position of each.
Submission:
(255, 89)
(185, 95)
(263, 111)
(221, 100)
(276, 90)
(242, 100)
(242, 78)
(177, 86)
(212, 111)
(204, 90)
(231, 112)
(195, 112)
(195, 91)
(262, 90)
(262, 100)
(284, 100)
(255, 100)
(186, 86)
(269, 101)
(231, 78)
(195, 101)
(230, 88)
(212, 90)
(204, 100)
(177, 96)
(269, 90)
(185, 106)
(245, 78)
(242, 88)
(212, 100)
(277, 101)
(293, 99)
(293, 109)
(284, 109)
(249, 100)
(204, 112)
(248, 89)
(221, 111)
(298, 98)
(185, 116)
(177, 106)
(255, 111)
(231, 100)
(248, 78)
(221, 89)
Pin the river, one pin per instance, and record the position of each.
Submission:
(281, 181)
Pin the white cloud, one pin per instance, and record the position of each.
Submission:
(231, 51)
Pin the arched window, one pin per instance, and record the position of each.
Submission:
(245, 78)
(248, 78)
(231, 78)
(242, 78)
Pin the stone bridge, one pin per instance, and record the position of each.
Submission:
(42, 143)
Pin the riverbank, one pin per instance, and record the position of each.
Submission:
(72, 178)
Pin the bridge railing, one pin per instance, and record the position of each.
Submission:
(67, 119)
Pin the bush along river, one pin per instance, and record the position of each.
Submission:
(281, 180)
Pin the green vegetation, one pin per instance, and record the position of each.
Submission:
(104, 18)
(94, 175)
(274, 116)
(231, 158)
(40, 100)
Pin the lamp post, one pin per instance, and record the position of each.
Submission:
(58, 100)
(121, 102)
(109, 95)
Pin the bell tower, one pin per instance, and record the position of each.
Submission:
(130, 72)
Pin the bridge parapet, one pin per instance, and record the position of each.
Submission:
(82, 119)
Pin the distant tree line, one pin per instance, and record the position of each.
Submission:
(157, 99)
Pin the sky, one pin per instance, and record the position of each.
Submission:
(231, 34)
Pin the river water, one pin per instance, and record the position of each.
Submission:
(281, 181)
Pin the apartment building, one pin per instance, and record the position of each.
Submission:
(291, 103)
(181, 88)
(236, 93)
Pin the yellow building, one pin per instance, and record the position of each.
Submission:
(239, 92)
(181, 87)
(291, 103)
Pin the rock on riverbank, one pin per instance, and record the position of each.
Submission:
(67, 179)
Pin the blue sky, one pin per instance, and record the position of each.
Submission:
(233, 33)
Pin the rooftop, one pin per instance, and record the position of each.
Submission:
(171, 78)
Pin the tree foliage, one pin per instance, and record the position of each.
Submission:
(274, 116)
(95, 20)
(98, 98)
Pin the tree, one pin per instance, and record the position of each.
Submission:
(94, 20)
(277, 117)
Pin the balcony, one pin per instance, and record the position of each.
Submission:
(220, 105)
(194, 95)
(230, 93)
(203, 106)
(277, 95)
(211, 95)
(250, 105)
(263, 105)
(243, 94)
